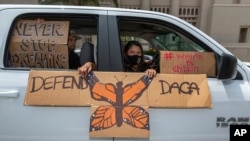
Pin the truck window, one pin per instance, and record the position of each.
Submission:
(45, 41)
(156, 37)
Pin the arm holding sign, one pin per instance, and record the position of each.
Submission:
(87, 59)
(86, 68)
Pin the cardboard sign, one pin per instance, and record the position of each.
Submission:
(179, 91)
(57, 88)
(40, 45)
(184, 62)
(115, 124)
(119, 101)
(67, 88)
(127, 109)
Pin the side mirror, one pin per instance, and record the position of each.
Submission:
(227, 66)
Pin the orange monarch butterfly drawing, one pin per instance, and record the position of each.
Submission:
(119, 97)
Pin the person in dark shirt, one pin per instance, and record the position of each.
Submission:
(133, 59)
(74, 59)
(85, 62)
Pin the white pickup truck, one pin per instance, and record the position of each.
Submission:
(109, 29)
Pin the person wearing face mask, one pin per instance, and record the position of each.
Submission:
(134, 59)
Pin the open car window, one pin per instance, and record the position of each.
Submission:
(44, 44)
(156, 37)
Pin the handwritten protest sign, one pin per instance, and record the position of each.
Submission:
(122, 99)
(184, 62)
(40, 45)
(55, 88)
(119, 124)
(179, 91)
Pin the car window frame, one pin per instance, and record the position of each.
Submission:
(179, 30)
(51, 15)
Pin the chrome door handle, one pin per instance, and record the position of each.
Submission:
(9, 93)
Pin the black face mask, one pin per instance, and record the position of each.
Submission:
(134, 59)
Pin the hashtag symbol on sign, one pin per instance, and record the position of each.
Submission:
(168, 56)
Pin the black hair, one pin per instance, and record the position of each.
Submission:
(127, 47)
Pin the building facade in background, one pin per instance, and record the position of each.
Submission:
(224, 20)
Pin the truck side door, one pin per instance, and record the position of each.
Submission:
(157, 32)
(29, 123)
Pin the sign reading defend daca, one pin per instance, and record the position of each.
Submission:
(119, 101)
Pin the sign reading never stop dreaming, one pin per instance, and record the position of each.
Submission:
(40, 45)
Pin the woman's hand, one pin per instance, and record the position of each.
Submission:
(86, 68)
(150, 72)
